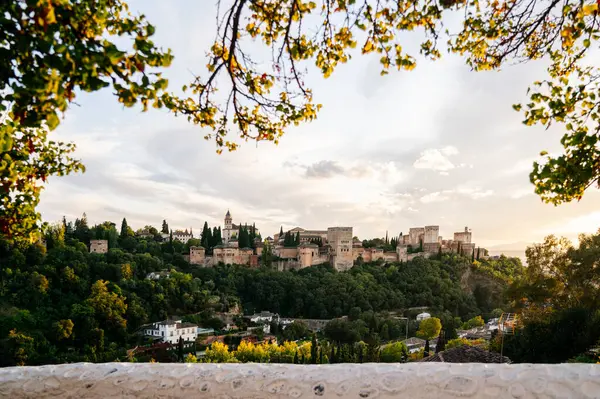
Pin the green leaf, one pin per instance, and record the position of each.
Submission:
(52, 121)
(114, 55)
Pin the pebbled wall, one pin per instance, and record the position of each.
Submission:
(414, 381)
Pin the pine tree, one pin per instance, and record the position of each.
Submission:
(165, 227)
(82, 231)
(123, 228)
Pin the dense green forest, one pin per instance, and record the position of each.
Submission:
(60, 303)
(321, 293)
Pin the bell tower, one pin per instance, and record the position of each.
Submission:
(228, 221)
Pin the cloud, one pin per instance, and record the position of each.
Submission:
(436, 159)
(367, 161)
(324, 169)
(435, 197)
(474, 193)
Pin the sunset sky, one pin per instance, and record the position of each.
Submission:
(438, 145)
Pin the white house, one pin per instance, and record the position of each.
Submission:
(423, 316)
(264, 317)
(285, 322)
(171, 330)
(179, 235)
(157, 275)
(414, 344)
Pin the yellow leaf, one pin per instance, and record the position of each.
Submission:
(590, 8)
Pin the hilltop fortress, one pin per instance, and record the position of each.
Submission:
(335, 245)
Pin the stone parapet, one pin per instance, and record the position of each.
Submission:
(412, 380)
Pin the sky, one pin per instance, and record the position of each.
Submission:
(439, 145)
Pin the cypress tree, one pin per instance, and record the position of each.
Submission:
(207, 239)
(288, 241)
(165, 227)
(303, 359)
(313, 349)
(123, 228)
(296, 358)
(386, 238)
(360, 353)
(440, 252)
(426, 352)
(478, 253)
(204, 233)
(320, 355)
(297, 240)
(180, 349)
(280, 232)
(441, 343)
(332, 356)
(214, 237)
(473, 256)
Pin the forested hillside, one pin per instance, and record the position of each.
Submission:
(60, 303)
(320, 292)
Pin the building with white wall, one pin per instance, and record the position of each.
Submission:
(264, 317)
(171, 330)
(423, 316)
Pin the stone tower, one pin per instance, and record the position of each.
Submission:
(228, 221)
(340, 240)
